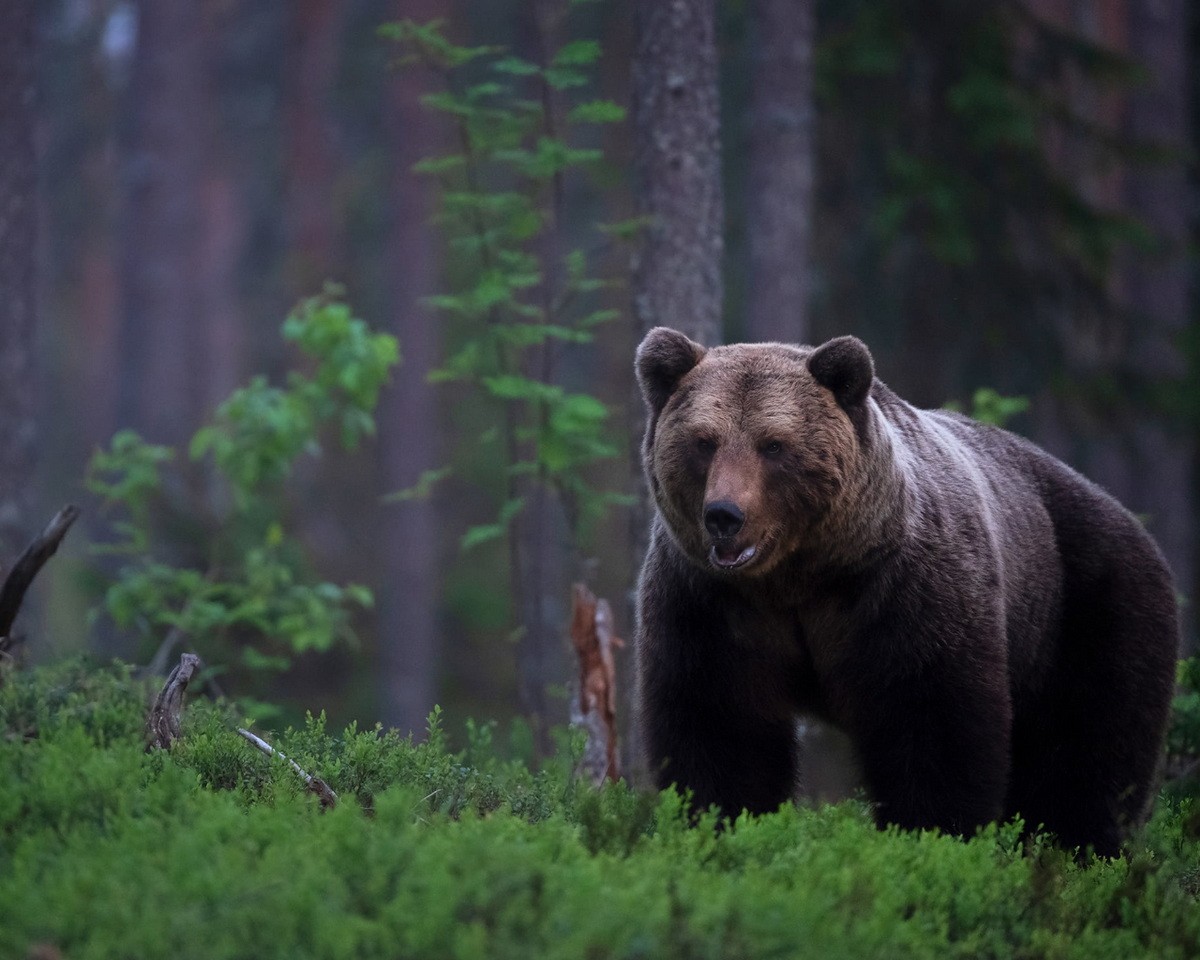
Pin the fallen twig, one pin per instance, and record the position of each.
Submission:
(318, 786)
(26, 568)
(164, 720)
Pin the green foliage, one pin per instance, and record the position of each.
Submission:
(516, 296)
(1183, 740)
(988, 406)
(252, 588)
(965, 142)
(215, 851)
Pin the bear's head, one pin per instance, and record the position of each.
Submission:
(749, 447)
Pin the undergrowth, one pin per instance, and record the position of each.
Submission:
(215, 851)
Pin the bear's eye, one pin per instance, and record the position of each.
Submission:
(772, 448)
(705, 446)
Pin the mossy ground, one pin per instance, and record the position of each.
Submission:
(215, 851)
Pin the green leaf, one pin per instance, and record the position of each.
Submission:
(423, 488)
(255, 660)
(597, 111)
(514, 387)
(577, 53)
(438, 165)
(516, 66)
(493, 531)
(564, 78)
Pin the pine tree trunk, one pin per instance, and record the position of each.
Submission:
(311, 61)
(1157, 288)
(677, 278)
(162, 337)
(18, 228)
(782, 125)
(408, 423)
(677, 169)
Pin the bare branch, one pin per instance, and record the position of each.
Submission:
(27, 566)
(315, 784)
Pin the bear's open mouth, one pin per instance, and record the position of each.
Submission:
(728, 556)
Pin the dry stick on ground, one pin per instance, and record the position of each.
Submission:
(26, 568)
(164, 720)
(595, 709)
(315, 784)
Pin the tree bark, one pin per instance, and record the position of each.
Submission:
(1157, 288)
(18, 308)
(677, 169)
(408, 421)
(782, 124)
(677, 278)
(314, 35)
(1131, 450)
(162, 337)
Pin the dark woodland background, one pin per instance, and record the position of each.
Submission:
(990, 193)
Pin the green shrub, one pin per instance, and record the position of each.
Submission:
(215, 851)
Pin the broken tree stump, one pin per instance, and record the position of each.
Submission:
(594, 709)
(165, 717)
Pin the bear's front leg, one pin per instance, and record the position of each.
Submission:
(712, 709)
(935, 748)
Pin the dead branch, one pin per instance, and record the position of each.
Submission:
(12, 594)
(315, 784)
(163, 723)
(595, 708)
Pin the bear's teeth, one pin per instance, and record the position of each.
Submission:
(733, 557)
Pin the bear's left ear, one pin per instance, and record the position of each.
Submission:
(663, 358)
(844, 366)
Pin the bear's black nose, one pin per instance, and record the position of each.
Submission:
(723, 519)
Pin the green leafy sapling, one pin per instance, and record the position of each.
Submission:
(517, 294)
(252, 592)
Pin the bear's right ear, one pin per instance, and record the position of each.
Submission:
(662, 360)
(844, 366)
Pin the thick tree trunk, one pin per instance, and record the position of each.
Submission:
(1131, 451)
(162, 338)
(1158, 288)
(677, 169)
(18, 227)
(311, 60)
(408, 422)
(782, 125)
(677, 181)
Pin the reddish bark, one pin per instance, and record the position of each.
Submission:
(595, 708)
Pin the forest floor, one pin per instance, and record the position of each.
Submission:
(214, 850)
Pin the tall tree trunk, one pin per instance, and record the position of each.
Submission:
(1130, 451)
(782, 126)
(408, 421)
(18, 227)
(311, 60)
(677, 169)
(677, 187)
(1158, 288)
(162, 338)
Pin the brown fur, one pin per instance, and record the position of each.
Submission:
(995, 633)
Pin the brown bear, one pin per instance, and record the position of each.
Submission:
(995, 633)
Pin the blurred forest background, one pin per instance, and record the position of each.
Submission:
(992, 194)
